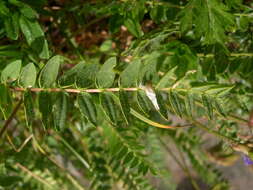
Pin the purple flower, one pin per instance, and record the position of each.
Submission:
(247, 160)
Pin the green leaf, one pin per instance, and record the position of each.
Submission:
(12, 26)
(161, 104)
(221, 58)
(45, 107)
(113, 140)
(125, 104)
(134, 162)
(129, 157)
(144, 102)
(218, 104)
(122, 153)
(189, 104)
(28, 76)
(87, 107)
(175, 102)
(207, 102)
(168, 79)
(134, 27)
(105, 76)
(106, 46)
(6, 181)
(86, 76)
(219, 90)
(69, 77)
(109, 106)
(4, 10)
(236, 4)
(5, 101)
(210, 19)
(34, 36)
(60, 111)
(159, 13)
(11, 71)
(143, 168)
(50, 71)
(28, 12)
(129, 76)
(29, 108)
(212, 89)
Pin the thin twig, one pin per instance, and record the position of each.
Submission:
(217, 134)
(8, 121)
(34, 175)
(22, 145)
(202, 55)
(77, 90)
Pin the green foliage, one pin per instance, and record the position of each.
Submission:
(50, 71)
(105, 76)
(87, 107)
(210, 18)
(86, 85)
(28, 76)
(11, 71)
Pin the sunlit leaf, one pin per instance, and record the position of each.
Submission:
(130, 75)
(11, 71)
(105, 76)
(28, 76)
(50, 71)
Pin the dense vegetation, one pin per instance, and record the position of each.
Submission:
(97, 94)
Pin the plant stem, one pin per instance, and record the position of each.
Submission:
(34, 175)
(200, 55)
(221, 136)
(22, 145)
(82, 160)
(77, 90)
(8, 121)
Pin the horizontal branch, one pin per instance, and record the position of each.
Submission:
(212, 55)
(78, 90)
